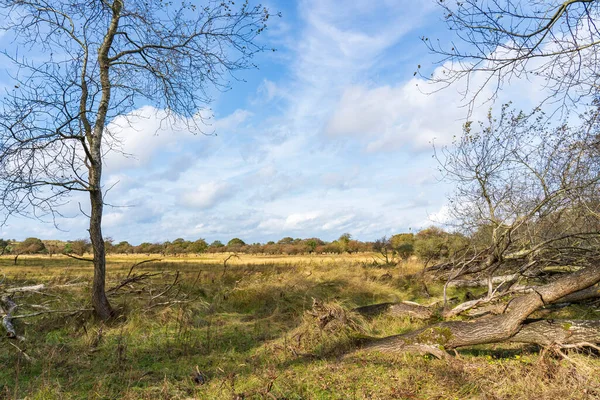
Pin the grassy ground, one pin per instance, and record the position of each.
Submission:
(248, 332)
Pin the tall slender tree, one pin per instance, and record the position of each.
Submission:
(79, 64)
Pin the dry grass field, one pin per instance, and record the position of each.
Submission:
(190, 329)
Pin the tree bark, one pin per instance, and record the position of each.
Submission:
(560, 332)
(99, 300)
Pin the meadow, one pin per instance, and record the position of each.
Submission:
(198, 328)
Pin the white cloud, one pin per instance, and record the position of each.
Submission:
(140, 136)
(387, 118)
(441, 217)
(207, 195)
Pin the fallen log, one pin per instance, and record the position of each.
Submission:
(34, 288)
(473, 308)
(582, 295)
(489, 329)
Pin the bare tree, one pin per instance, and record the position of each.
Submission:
(78, 64)
(555, 41)
(528, 197)
(529, 190)
(527, 184)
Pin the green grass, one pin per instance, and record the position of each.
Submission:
(249, 334)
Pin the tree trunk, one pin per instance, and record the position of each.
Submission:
(99, 299)
(492, 329)
(559, 331)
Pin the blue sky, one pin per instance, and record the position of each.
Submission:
(332, 134)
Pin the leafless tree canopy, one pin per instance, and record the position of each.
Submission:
(553, 41)
(166, 56)
(528, 193)
(77, 65)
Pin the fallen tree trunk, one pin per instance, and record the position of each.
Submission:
(547, 332)
(475, 308)
(489, 329)
(580, 296)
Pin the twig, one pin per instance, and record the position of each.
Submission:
(27, 357)
(168, 303)
(35, 314)
(580, 345)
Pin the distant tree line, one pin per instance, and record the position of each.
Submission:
(429, 244)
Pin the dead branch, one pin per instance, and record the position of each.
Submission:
(8, 307)
(140, 263)
(25, 355)
(78, 258)
(225, 263)
(130, 280)
(168, 287)
(168, 303)
(34, 288)
(483, 282)
(35, 314)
